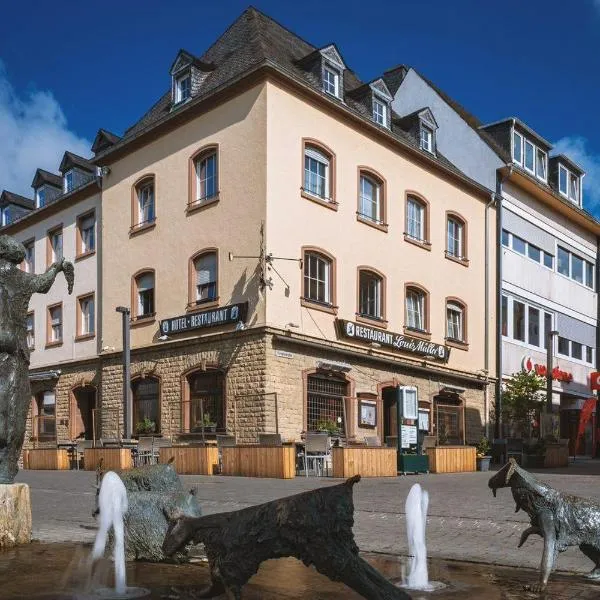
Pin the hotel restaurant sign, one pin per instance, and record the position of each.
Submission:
(396, 341)
(224, 315)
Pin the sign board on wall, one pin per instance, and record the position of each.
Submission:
(409, 435)
(224, 315)
(396, 341)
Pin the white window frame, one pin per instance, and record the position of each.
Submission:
(374, 203)
(40, 194)
(327, 70)
(567, 173)
(419, 313)
(203, 285)
(585, 260)
(327, 283)
(54, 236)
(526, 143)
(29, 265)
(179, 88)
(30, 331)
(458, 226)
(426, 138)
(515, 135)
(312, 153)
(87, 313)
(86, 233)
(454, 307)
(145, 197)
(544, 175)
(574, 178)
(201, 182)
(377, 289)
(579, 361)
(510, 300)
(412, 222)
(58, 327)
(380, 116)
(68, 181)
(526, 255)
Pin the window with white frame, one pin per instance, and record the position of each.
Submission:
(575, 350)
(455, 238)
(87, 235)
(145, 295)
(145, 197)
(575, 267)
(415, 309)
(30, 326)
(574, 188)
(517, 147)
(86, 315)
(29, 260)
(529, 163)
(380, 110)
(205, 271)
(524, 322)
(316, 173)
(514, 242)
(317, 278)
(541, 164)
(415, 219)
(55, 323)
(207, 185)
(331, 81)
(68, 181)
(183, 87)
(370, 289)
(370, 199)
(40, 197)
(56, 245)
(455, 314)
(568, 184)
(426, 135)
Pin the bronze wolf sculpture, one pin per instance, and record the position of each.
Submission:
(314, 526)
(561, 519)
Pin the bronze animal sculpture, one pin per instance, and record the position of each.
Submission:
(561, 519)
(314, 526)
(16, 289)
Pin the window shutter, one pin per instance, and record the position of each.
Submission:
(206, 269)
(145, 282)
(316, 155)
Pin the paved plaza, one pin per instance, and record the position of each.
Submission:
(465, 521)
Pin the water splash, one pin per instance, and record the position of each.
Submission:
(417, 503)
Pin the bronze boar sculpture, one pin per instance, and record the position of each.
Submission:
(560, 519)
(314, 526)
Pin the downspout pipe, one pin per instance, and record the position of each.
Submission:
(597, 282)
(499, 224)
(486, 356)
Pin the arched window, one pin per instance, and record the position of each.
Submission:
(456, 237)
(143, 203)
(318, 286)
(205, 406)
(417, 308)
(44, 416)
(371, 294)
(456, 325)
(143, 305)
(204, 278)
(417, 220)
(205, 184)
(317, 172)
(145, 393)
(371, 198)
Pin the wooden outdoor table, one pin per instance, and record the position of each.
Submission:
(113, 458)
(190, 459)
(253, 460)
(365, 461)
(55, 459)
(452, 459)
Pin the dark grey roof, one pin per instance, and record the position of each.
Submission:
(524, 127)
(71, 160)
(394, 77)
(11, 198)
(193, 60)
(561, 158)
(42, 176)
(104, 139)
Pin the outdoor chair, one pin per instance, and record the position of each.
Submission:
(78, 451)
(144, 453)
(318, 450)
(372, 441)
(157, 444)
(429, 441)
(269, 439)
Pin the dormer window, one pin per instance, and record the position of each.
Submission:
(531, 157)
(40, 197)
(568, 184)
(68, 181)
(517, 148)
(331, 81)
(380, 111)
(540, 164)
(183, 88)
(426, 138)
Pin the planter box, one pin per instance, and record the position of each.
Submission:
(47, 459)
(533, 461)
(483, 463)
(259, 461)
(452, 459)
(366, 462)
(557, 455)
(191, 460)
(114, 459)
(413, 463)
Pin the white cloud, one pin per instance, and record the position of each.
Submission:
(33, 133)
(576, 148)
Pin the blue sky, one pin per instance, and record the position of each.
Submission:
(68, 68)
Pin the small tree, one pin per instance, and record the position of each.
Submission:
(522, 400)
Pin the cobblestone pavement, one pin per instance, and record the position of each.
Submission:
(465, 521)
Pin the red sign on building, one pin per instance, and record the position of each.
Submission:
(541, 370)
(595, 380)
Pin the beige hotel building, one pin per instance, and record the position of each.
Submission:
(292, 252)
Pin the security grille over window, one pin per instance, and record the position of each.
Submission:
(145, 403)
(206, 402)
(449, 420)
(325, 403)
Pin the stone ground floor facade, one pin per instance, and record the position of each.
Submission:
(260, 380)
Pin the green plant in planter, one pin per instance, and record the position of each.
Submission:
(145, 426)
(208, 422)
(483, 447)
(329, 426)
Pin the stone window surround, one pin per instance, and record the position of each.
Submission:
(464, 259)
(136, 226)
(332, 307)
(425, 333)
(135, 321)
(425, 243)
(158, 379)
(79, 254)
(464, 343)
(195, 204)
(49, 342)
(382, 321)
(49, 235)
(192, 305)
(79, 336)
(331, 203)
(186, 392)
(380, 180)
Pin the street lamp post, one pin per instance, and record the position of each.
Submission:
(549, 367)
(127, 408)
